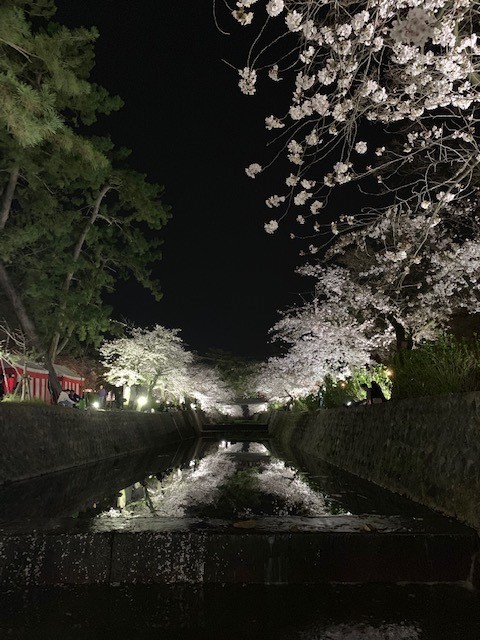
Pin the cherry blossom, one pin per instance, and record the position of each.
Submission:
(157, 359)
(409, 69)
(253, 169)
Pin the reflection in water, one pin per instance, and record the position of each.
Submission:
(362, 632)
(232, 481)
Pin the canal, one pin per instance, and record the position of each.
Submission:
(228, 537)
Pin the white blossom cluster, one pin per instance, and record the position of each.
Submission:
(421, 267)
(406, 271)
(414, 62)
(158, 359)
(329, 336)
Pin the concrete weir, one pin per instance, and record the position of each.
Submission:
(338, 549)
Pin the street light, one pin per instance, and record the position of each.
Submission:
(142, 401)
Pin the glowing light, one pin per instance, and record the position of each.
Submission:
(96, 404)
(142, 401)
(389, 373)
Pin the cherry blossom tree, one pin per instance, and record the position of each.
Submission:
(405, 72)
(156, 358)
(399, 282)
(414, 270)
(206, 386)
(334, 334)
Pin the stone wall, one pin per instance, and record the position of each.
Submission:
(41, 439)
(427, 449)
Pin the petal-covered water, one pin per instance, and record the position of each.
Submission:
(238, 480)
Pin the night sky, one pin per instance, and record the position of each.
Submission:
(191, 129)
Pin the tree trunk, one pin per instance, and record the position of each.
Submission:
(29, 329)
(69, 275)
(7, 285)
(403, 338)
(7, 196)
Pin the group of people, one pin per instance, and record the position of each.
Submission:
(101, 399)
(68, 398)
(374, 393)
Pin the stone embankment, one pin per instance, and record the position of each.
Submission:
(41, 439)
(427, 449)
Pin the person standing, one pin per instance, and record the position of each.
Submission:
(9, 384)
(102, 394)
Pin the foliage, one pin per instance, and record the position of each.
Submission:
(448, 365)
(399, 282)
(158, 359)
(44, 86)
(154, 357)
(74, 218)
(237, 374)
(310, 402)
(336, 333)
(338, 393)
(411, 270)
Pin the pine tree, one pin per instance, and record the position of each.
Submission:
(73, 218)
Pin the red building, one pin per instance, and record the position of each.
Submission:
(37, 378)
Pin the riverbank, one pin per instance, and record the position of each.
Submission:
(427, 449)
(40, 439)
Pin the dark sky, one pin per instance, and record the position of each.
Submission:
(191, 129)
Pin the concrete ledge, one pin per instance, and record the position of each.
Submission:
(335, 549)
(41, 439)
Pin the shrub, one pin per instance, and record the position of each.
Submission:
(448, 365)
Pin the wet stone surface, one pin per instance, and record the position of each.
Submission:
(181, 543)
(247, 613)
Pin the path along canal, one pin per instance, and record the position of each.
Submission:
(227, 538)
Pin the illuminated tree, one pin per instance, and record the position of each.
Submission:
(418, 269)
(404, 74)
(401, 281)
(155, 358)
(330, 336)
(158, 359)
(206, 386)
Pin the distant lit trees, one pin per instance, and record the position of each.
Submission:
(154, 358)
(205, 385)
(158, 360)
